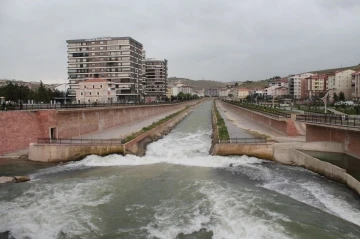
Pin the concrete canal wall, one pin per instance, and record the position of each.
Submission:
(283, 125)
(137, 146)
(350, 137)
(20, 128)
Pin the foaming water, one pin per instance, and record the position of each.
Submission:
(177, 190)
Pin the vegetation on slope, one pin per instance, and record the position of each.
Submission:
(327, 71)
(222, 130)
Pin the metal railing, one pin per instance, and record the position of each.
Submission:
(268, 111)
(82, 142)
(339, 120)
(76, 106)
(244, 141)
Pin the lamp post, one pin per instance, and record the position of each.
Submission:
(324, 99)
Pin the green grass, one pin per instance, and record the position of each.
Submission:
(152, 126)
(222, 130)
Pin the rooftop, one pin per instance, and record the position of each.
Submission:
(102, 39)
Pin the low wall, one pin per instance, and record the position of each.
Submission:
(137, 146)
(324, 168)
(215, 132)
(20, 128)
(263, 151)
(350, 137)
(285, 126)
(61, 153)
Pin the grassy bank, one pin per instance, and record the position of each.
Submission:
(222, 130)
(153, 125)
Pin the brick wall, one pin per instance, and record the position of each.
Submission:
(20, 128)
(350, 138)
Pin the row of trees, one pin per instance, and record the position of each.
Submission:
(18, 92)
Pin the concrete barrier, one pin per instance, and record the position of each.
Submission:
(263, 151)
(62, 153)
(283, 125)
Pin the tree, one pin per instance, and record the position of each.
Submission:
(335, 97)
(236, 84)
(341, 96)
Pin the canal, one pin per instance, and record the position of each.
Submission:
(178, 191)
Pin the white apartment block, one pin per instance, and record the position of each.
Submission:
(96, 91)
(341, 81)
(156, 78)
(115, 59)
(295, 84)
(224, 92)
(240, 93)
(186, 89)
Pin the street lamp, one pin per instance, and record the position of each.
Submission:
(324, 99)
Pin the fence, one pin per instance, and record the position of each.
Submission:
(244, 141)
(268, 111)
(81, 142)
(341, 120)
(72, 106)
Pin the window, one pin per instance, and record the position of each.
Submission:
(101, 48)
(93, 48)
(93, 54)
(93, 86)
(92, 42)
(100, 86)
(101, 42)
(81, 93)
(98, 93)
(89, 93)
(85, 86)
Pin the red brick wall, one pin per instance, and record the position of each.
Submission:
(351, 139)
(286, 126)
(20, 128)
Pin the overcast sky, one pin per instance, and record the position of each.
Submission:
(224, 40)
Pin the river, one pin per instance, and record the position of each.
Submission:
(178, 191)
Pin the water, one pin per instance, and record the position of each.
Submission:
(178, 191)
(349, 163)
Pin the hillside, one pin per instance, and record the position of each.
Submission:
(327, 71)
(254, 84)
(196, 84)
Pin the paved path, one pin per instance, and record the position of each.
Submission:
(336, 111)
(243, 122)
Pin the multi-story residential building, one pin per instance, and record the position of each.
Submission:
(211, 92)
(315, 86)
(276, 91)
(175, 90)
(115, 59)
(355, 86)
(279, 82)
(156, 79)
(223, 92)
(186, 89)
(169, 92)
(240, 93)
(96, 91)
(341, 81)
(295, 84)
(199, 93)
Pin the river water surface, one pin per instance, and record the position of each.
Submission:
(178, 191)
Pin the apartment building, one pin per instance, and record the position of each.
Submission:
(279, 82)
(276, 91)
(96, 91)
(240, 93)
(211, 92)
(223, 92)
(315, 86)
(341, 81)
(355, 86)
(114, 59)
(156, 73)
(295, 84)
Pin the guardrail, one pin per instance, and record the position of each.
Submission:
(244, 141)
(259, 109)
(339, 120)
(76, 106)
(82, 142)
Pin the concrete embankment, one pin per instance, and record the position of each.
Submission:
(283, 125)
(137, 146)
(20, 128)
(264, 151)
(289, 153)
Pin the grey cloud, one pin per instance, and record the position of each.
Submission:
(220, 40)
